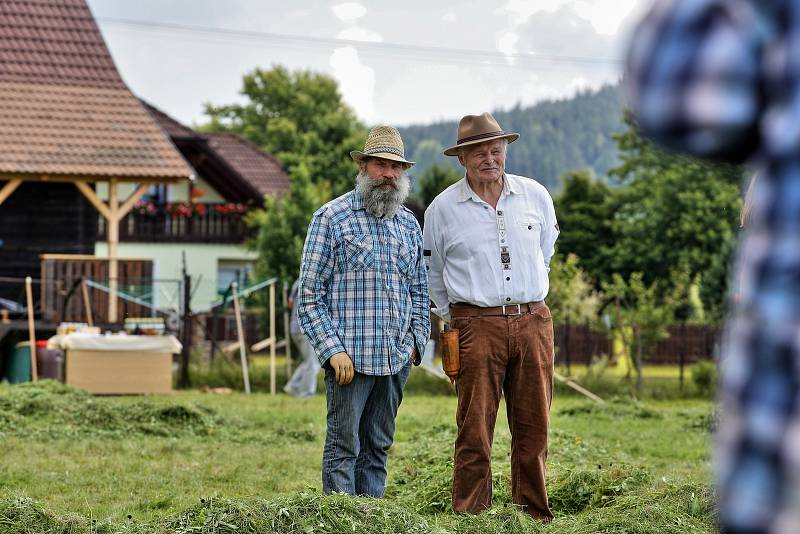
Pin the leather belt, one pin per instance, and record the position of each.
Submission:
(460, 309)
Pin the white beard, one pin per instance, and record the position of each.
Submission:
(383, 202)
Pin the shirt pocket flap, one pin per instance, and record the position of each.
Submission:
(359, 251)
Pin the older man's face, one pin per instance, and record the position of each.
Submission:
(383, 170)
(486, 162)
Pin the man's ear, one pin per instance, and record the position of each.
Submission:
(461, 161)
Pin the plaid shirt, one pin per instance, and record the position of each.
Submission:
(363, 286)
(721, 79)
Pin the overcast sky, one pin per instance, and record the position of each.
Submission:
(397, 62)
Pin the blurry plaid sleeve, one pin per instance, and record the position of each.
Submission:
(693, 76)
(721, 79)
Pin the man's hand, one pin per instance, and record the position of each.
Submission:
(415, 359)
(343, 366)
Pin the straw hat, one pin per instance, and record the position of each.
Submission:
(476, 129)
(383, 142)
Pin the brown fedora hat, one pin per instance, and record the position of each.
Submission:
(476, 129)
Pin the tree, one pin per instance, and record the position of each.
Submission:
(300, 118)
(673, 212)
(640, 315)
(435, 180)
(585, 208)
(282, 226)
(572, 297)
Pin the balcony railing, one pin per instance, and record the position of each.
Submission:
(182, 223)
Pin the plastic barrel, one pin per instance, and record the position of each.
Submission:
(18, 367)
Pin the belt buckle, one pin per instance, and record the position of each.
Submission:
(519, 309)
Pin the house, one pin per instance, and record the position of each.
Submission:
(202, 221)
(87, 169)
(69, 126)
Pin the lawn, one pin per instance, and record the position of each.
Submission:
(194, 462)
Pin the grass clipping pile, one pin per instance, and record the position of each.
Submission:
(609, 498)
(51, 409)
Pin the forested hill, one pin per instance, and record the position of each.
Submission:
(555, 136)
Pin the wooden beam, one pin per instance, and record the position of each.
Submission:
(8, 189)
(98, 204)
(113, 241)
(133, 199)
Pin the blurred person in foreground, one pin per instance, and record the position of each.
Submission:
(488, 242)
(303, 383)
(363, 303)
(721, 79)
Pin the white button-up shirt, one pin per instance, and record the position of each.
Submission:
(487, 256)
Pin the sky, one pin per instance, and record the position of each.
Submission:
(399, 62)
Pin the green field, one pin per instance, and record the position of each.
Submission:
(193, 462)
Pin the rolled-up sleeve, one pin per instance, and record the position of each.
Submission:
(316, 272)
(693, 76)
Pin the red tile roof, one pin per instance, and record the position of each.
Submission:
(64, 109)
(262, 170)
(258, 170)
(172, 127)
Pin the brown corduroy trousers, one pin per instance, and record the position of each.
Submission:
(510, 356)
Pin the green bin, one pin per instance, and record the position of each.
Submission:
(18, 366)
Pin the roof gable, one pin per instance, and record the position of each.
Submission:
(259, 168)
(64, 109)
(230, 163)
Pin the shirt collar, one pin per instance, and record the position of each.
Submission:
(466, 192)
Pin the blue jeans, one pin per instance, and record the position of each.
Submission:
(360, 431)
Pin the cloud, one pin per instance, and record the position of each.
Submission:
(356, 81)
(506, 42)
(450, 16)
(356, 33)
(349, 11)
(604, 16)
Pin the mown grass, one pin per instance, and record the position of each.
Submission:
(191, 462)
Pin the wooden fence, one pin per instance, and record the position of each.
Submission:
(686, 344)
(60, 274)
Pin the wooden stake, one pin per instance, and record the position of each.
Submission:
(580, 389)
(287, 339)
(240, 333)
(272, 336)
(87, 304)
(31, 329)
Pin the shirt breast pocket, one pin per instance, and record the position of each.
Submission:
(530, 227)
(358, 251)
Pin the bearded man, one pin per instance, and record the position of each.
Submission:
(363, 304)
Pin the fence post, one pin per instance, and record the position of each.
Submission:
(186, 338)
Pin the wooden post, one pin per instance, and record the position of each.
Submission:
(286, 336)
(240, 332)
(681, 351)
(273, 336)
(113, 241)
(87, 304)
(186, 339)
(31, 329)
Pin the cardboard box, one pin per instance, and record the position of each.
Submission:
(119, 372)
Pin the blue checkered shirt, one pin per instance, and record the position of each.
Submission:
(721, 78)
(363, 286)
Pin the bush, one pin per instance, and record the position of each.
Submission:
(704, 376)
